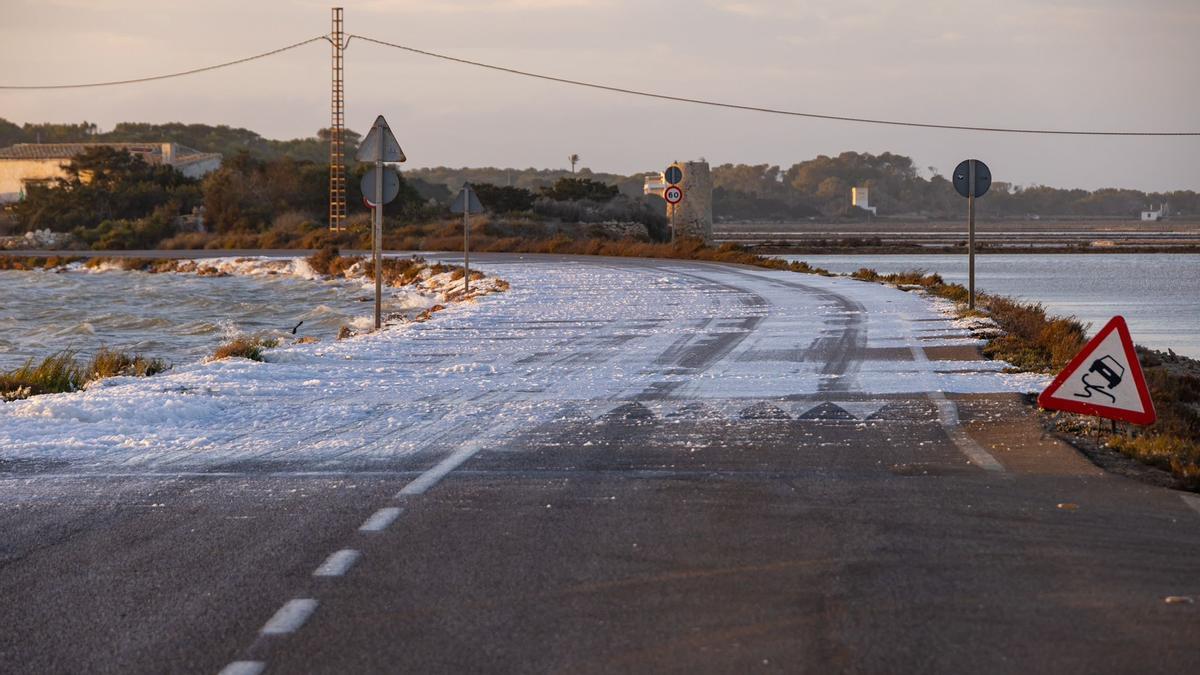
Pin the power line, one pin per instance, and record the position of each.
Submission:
(772, 111)
(167, 76)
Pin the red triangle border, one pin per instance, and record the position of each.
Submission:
(1049, 401)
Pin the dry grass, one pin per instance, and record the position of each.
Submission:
(110, 363)
(62, 372)
(245, 348)
(1034, 341)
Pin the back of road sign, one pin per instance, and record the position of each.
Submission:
(380, 144)
(391, 187)
(1104, 379)
(466, 200)
(962, 176)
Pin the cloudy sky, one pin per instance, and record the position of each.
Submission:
(1068, 64)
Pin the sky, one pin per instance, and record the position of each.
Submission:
(1081, 64)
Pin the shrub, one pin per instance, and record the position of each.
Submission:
(61, 373)
(110, 363)
(245, 348)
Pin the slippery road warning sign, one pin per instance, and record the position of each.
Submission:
(1104, 379)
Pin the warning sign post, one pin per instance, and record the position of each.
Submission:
(1105, 379)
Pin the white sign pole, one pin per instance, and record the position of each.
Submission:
(377, 236)
(971, 232)
(467, 236)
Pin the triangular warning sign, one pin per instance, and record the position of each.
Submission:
(380, 144)
(1105, 379)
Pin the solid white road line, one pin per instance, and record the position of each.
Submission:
(290, 617)
(337, 563)
(243, 668)
(948, 416)
(380, 519)
(1192, 501)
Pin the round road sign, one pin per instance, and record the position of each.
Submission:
(391, 186)
(673, 194)
(962, 176)
(673, 174)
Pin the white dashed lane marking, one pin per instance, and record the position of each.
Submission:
(290, 617)
(243, 668)
(337, 563)
(380, 519)
(455, 460)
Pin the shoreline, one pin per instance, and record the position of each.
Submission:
(420, 288)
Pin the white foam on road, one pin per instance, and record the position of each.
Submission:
(587, 331)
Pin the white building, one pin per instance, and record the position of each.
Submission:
(861, 197)
(1155, 215)
(26, 163)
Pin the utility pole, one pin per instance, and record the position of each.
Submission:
(337, 129)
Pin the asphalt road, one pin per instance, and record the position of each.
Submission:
(813, 517)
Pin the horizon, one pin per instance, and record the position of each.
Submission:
(922, 172)
(1057, 65)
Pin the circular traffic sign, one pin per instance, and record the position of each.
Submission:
(673, 174)
(962, 176)
(391, 186)
(673, 194)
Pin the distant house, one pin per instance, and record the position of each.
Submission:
(861, 197)
(1153, 215)
(32, 163)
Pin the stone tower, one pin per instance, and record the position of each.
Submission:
(693, 216)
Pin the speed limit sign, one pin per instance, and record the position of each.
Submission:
(673, 194)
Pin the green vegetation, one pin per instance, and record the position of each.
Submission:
(106, 190)
(272, 193)
(61, 373)
(821, 187)
(226, 140)
(245, 348)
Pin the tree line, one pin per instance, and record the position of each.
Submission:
(261, 177)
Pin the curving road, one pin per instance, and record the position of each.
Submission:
(619, 466)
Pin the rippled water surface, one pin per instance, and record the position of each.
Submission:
(179, 317)
(1158, 294)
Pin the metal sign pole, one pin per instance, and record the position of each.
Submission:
(467, 238)
(672, 208)
(971, 233)
(377, 237)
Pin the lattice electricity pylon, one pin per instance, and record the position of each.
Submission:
(337, 130)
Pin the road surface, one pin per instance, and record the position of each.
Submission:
(620, 466)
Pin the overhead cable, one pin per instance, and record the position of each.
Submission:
(153, 78)
(772, 111)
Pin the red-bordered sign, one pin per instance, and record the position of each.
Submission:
(1105, 379)
(673, 194)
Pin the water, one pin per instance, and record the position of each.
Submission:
(1158, 294)
(177, 317)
